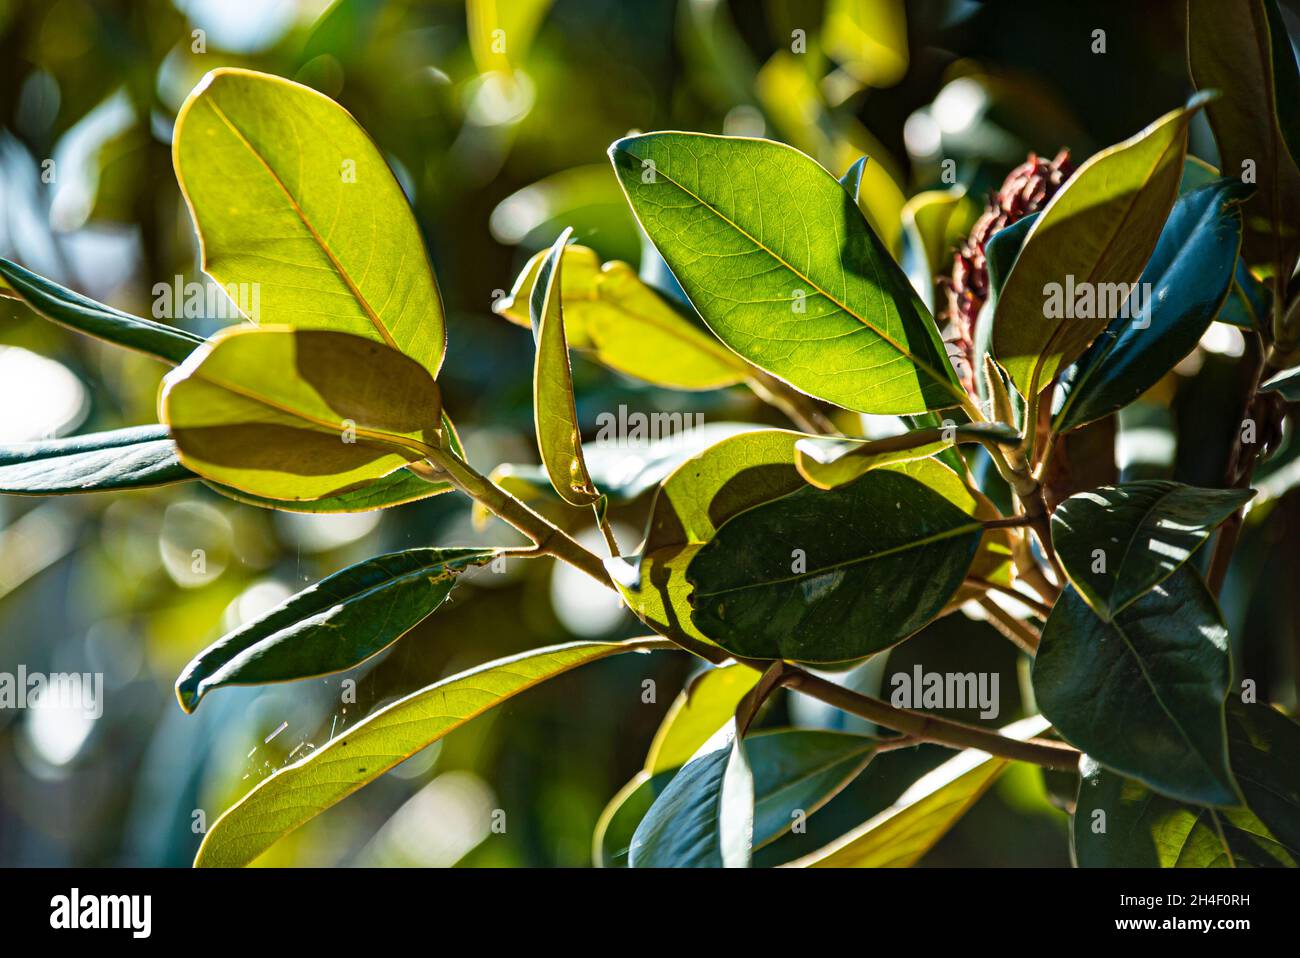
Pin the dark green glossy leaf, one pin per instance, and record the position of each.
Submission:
(1264, 749)
(795, 772)
(333, 625)
(1146, 830)
(1144, 694)
(120, 459)
(297, 793)
(1240, 48)
(704, 818)
(1000, 255)
(1287, 383)
(697, 497)
(618, 822)
(83, 314)
(1116, 542)
(781, 264)
(1095, 234)
(825, 576)
(1188, 279)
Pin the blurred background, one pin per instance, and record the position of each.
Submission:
(498, 148)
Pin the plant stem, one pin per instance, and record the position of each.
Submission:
(1241, 466)
(550, 540)
(602, 520)
(1023, 636)
(1040, 608)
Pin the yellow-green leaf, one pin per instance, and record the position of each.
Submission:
(299, 414)
(558, 438)
(698, 712)
(626, 325)
(289, 193)
(298, 793)
(1095, 234)
(901, 835)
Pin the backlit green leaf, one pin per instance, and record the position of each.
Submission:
(382, 740)
(299, 414)
(558, 438)
(1144, 693)
(1095, 234)
(610, 313)
(779, 261)
(699, 711)
(333, 625)
(288, 192)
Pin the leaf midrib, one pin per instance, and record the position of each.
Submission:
(920, 365)
(857, 560)
(302, 217)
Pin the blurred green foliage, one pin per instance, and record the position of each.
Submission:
(498, 148)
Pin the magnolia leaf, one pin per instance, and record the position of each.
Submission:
(1093, 237)
(297, 793)
(288, 192)
(558, 438)
(333, 625)
(1184, 286)
(83, 314)
(627, 325)
(900, 836)
(827, 576)
(778, 259)
(1116, 542)
(621, 467)
(299, 414)
(1241, 49)
(394, 489)
(702, 707)
(704, 817)
(795, 773)
(1138, 828)
(727, 478)
(1287, 383)
(129, 458)
(1143, 694)
(828, 463)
